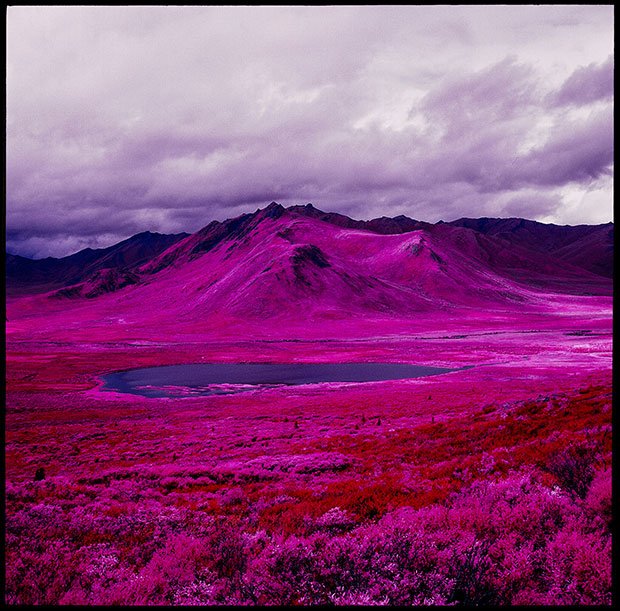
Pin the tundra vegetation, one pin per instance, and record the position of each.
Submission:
(490, 484)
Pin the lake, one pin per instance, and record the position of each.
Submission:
(226, 378)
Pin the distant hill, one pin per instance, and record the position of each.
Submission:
(590, 247)
(302, 262)
(25, 275)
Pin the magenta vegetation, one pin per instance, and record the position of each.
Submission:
(490, 484)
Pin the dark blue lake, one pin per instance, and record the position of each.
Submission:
(225, 378)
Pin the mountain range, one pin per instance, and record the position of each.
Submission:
(302, 261)
(25, 275)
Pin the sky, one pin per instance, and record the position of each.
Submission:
(128, 119)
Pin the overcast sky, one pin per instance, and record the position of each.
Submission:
(126, 119)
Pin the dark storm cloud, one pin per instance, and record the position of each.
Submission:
(124, 119)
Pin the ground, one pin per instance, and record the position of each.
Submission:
(486, 484)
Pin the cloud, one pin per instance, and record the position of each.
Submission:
(499, 92)
(529, 204)
(587, 84)
(125, 119)
(576, 151)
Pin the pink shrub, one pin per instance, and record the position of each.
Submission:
(510, 541)
(578, 569)
(598, 502)
(409, 513)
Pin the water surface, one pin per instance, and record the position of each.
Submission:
(224, 378)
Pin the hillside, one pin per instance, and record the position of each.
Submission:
(299, 263)
(25, 275)
(587, 246)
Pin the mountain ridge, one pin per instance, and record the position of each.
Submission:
(37, 275)
(587, 246)
(279, 261)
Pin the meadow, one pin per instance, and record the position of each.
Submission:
(489, 485)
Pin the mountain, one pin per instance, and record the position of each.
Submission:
(587, 246)
(25, 275)
(302, 263)
(383, 225)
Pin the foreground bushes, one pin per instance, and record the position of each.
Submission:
(507, 504)
(517, 540)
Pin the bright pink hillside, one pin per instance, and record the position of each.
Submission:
(286, 267)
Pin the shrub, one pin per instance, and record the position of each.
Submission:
(574, 467)
(598, 501)
(470, 571)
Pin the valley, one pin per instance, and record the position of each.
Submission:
(487, 484)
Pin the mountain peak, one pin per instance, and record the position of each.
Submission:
(272, 211)
(508, 244)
